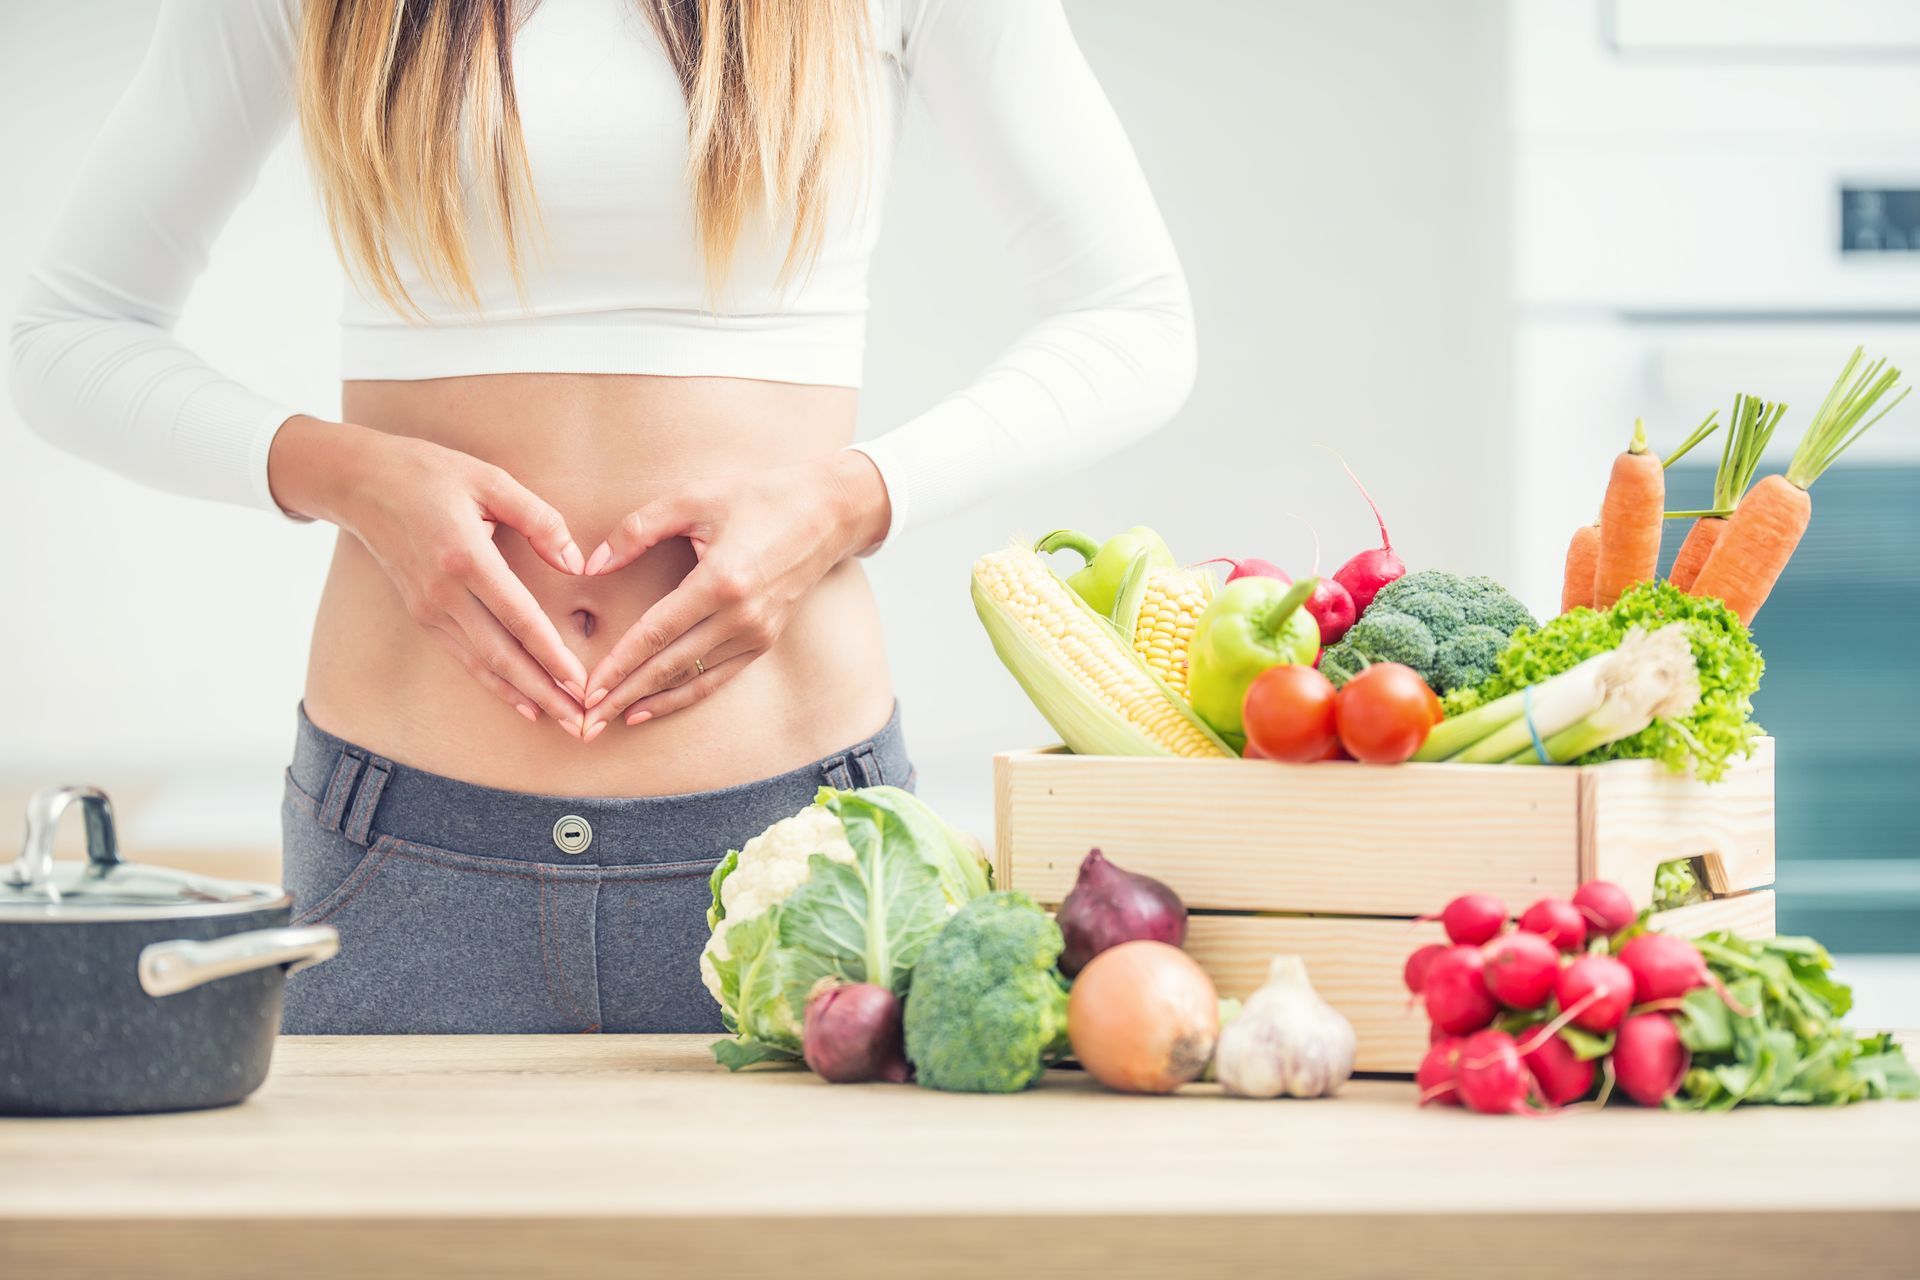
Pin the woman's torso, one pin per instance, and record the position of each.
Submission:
(596, 447)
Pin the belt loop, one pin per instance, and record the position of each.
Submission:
(837, 775)
(359, 824)
(333, 806)
(871, 773)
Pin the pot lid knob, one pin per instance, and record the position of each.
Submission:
(32, 872)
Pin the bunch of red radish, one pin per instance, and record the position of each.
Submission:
(1341, 597)
(1562, 966)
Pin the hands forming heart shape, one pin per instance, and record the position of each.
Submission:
(763, 540)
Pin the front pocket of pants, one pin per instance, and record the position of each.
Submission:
(433, 941)
(315, 863)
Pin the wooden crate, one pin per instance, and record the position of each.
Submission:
(1332, 861)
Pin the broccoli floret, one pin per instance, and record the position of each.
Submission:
(1340, 663)
(1381, 635)
(1490, 605)
(986, 1011)
(1393, 637)
(1442, 614)
(1447, 627)
(1468, 658)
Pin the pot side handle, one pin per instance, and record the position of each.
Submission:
(168, 968)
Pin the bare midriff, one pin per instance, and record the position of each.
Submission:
(597, 447)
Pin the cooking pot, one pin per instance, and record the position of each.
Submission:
(132, 988)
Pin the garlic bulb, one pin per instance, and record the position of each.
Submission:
(1286, 1041)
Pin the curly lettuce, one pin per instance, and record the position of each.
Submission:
(1720, 729)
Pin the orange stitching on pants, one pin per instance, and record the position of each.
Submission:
(372, 874)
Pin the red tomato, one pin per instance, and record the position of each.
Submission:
(1384, 713)
(1433, 705)
(1288, 714)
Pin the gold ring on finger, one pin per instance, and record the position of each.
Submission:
(699, 667)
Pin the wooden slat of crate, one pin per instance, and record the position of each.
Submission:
(1355, 963)
(1253, 835)
(1635, 815)
(1750, 915)
(1374, 840)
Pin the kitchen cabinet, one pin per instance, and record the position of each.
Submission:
(635, 1155)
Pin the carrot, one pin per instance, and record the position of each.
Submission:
(1773, 516)
(1753, 424)
(1700, 542)
(1576, 589)
(1630, 516)
(1759, 540)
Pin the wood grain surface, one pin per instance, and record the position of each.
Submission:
(631, 1156)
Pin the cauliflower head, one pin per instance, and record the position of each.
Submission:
(987, 1011)
(764, 871)
(850, 889)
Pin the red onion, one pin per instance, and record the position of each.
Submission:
(853, 1034)
(1109, 906)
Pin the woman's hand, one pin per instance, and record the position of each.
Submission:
(427, 514)
(763, 540)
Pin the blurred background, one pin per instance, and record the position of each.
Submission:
(1463, 243)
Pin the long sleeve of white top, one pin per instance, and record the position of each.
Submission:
(96, 368)
(1012, 100)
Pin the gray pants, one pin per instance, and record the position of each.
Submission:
(466, 909)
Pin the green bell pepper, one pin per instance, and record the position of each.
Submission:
(1099, 581)
(1253, 624)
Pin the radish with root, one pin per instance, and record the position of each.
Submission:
(1490, 1076)
(1472, 918)
(1561, 1076)
(1649, 1059)
(1605, 906)
(1558, 921)
(1521, 969)
(1367, 571)
(1435, 1078)
(1595, 992)
(1415, 971)
(1664, 967)
(1456, 991)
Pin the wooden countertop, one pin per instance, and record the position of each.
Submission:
(630, 1155)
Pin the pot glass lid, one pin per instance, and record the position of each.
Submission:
(37, 886)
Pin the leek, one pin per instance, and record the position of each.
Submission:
(1612, 695)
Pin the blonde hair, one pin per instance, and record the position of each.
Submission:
(394, 93)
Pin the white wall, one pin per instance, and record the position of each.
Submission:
(1333, 175)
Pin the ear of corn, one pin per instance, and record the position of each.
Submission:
(1157, 611)
(1078, 668)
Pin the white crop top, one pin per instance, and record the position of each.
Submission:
(616, 283)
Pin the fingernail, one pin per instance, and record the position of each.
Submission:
(572, 558)
(575, 690)
(601, 554)
(639, 717)
(572, 725)
(594, 730)
(593, 699)
(533, 717)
